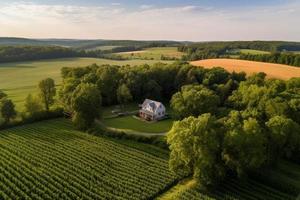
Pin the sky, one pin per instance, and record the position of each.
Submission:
(189, 20)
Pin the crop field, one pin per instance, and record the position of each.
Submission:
(153, 53)
(21, 78)
(233, 190)
(51, 160)
(282, 183)
(279, 71)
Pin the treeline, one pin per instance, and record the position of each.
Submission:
(280, 58)
(24, 53)
(271, 46)
(29, 53)
(122, 84)
(222, 136)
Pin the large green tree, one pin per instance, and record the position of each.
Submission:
(86, 104)
(47, 92)
(244, 144)
(8, 111)
(194, 100)
(32, 105)
(196, 145)
(2, 94)
(124, 94)
(284, 137)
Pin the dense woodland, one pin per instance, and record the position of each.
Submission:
(229, 125)
(279, 51)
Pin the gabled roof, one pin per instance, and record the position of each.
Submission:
(154, 105)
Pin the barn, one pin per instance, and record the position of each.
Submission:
(152, 110)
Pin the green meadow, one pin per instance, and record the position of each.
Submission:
(21, 78)
(250, 51)
(153, 53)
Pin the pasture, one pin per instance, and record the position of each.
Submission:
(249, 51)
(272, 70)
(153, 53)
(51, 160)
(21, 78)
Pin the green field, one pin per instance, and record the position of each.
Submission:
(21, 78)
(51, 160)
(132, 124)
(249, 51)
(153, 53)
(102, 48)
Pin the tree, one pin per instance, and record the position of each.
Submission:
(7, 110)
(194, 100)
(152, 90)
(196, 145)
(124, 95)
(2, 95)
(47, 92)
(283, 136)
(244, 142)
(32, 105)
(86, 103)
(108, 81)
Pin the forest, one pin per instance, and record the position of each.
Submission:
(232, 125)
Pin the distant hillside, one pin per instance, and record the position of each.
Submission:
(83, 44)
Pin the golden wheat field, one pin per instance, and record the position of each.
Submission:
(272, 70)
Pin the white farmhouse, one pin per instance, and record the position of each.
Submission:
(152, 110)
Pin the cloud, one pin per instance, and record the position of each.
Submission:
(278, 22)
(145, 7)
(116, 4)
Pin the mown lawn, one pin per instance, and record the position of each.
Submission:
(131, 123)
(21, 78)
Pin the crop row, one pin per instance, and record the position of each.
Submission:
(51, 160)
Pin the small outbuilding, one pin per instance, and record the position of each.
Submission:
(152, 110)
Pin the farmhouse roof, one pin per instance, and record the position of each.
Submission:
(153, 104)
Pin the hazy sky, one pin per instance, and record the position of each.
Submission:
(152, 20)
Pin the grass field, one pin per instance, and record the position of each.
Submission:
(133, 124)
(103, 48)
(250, 51)
(279, 71)
(153, 53)
(51, 160)
(21, 78)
